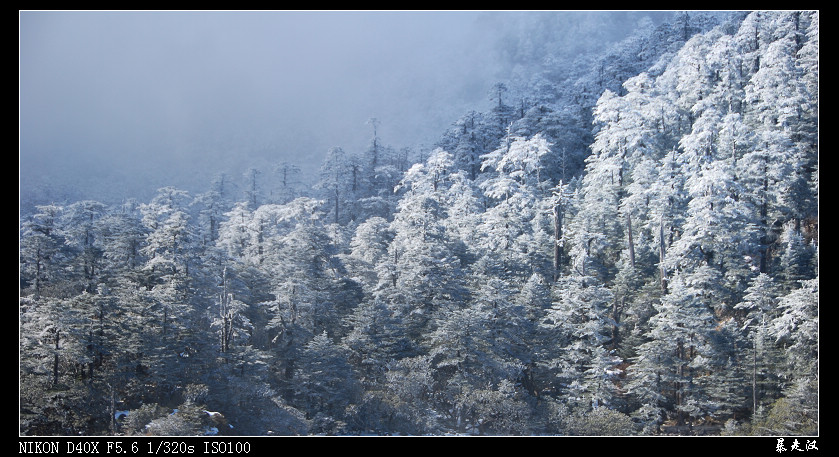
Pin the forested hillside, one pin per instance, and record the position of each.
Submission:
(624, 244)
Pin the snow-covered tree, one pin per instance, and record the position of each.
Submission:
(586, 364)
(41, 249)
(326, 384)
(340, 181)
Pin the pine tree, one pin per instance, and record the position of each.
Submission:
(669, 370)
(326, 384)
(341, 181)
(421, 275)
(123, 235)
(759, 306)
(511, 236)
(81, 229)
(368, 249)
(796, 259)
(289, 182)
(376, 339)
(212, 206)
(234, 233)
(42, 248)
(587, 366)
(796, 328)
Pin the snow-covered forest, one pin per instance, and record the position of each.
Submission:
(623, 244)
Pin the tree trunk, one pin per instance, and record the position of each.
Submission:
(661, 249)
(631, 244)
(112, 412)
(764, 223)
(617, 308)
(557, 237)
(55, 359)
(754, 377)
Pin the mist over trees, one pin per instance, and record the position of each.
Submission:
(625, 243)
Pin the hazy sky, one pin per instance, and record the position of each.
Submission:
(140, 98)
(120, 103)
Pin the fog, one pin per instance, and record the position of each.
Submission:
(117, 104)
